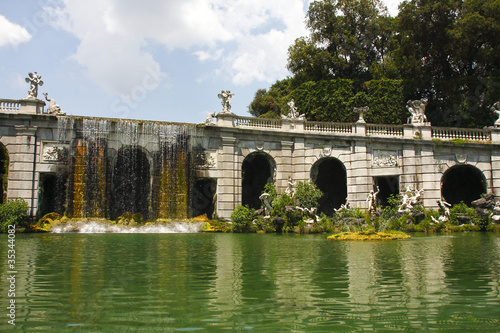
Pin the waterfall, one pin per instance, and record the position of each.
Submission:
(126, 166)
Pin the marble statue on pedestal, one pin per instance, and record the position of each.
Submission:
(34, 80)
(293, 113)
(496, 108)
(417, 110)
(226, 96)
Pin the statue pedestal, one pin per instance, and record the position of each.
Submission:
(31, 106)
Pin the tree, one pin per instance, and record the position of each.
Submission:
(347, 37)
(445, 51)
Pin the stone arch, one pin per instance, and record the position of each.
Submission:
(462, 183)
(330, 176)
(256, 171)
(131, 184)
(4, 172)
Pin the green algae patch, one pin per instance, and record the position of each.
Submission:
(369, 235)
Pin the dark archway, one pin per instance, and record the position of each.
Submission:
(462, 183)
(257, 171)
(4, 172)
(330, 177)
(52, 196)
(388, 185)
(131, 183)
(203, 193)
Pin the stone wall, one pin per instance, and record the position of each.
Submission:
(413, 157)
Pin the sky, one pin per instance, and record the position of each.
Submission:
(164, 60)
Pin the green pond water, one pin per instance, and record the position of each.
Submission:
(252, 283)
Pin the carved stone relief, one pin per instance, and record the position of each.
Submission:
(385, 158)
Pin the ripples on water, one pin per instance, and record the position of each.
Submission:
(264, 283)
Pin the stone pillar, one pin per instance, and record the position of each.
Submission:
(408, 131)
(31, 106)
(495, 135)
(24, 156)
(426, 132)
(284, 167)
(226, 119)
(301, 171)
(409, 176)
(359, 183)
(360, 129)
(431, 177)
(228, 187)
(495, 171)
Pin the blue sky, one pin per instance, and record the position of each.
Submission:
(151, 59)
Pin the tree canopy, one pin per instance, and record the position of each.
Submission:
(447, 51)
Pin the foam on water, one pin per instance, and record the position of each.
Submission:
(100, 228)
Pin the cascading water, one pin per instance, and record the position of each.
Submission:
(120, 166)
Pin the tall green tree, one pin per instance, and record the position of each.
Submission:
(449, 52)
(347, 38)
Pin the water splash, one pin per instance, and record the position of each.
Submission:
(96, 227)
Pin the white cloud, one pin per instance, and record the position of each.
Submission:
(11, 33)
(248, 39)
(206, 55)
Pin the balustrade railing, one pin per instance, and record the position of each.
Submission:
(8, 105)
(467, 134)
(384, 130)
(257, 122)
(326, 127)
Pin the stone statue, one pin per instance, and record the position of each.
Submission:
(34, 80)
(444, 210)
(210, 119)
(409, 199)
(361, 112)
(495, 216)
(266, 200)
(53, 107)
(290, 189)
(372, 201)
(417, 110)
(496, 108)
(226, 96)
(293, 113)
(342, 208)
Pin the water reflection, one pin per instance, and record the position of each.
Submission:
(167, 282)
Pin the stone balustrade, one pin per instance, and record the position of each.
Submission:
(393, 131)
(467, 134)
(408, 131)
(326, 127)
(10, 105)
(25, 105)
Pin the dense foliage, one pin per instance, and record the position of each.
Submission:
(447, 51)
(13, 212)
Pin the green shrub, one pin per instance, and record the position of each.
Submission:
(13, 212)
(279, 204)
(464, 210)
(308, 194)
(242, 218)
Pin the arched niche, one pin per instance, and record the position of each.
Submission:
(329, 175)
(462, 183)
(257, 170)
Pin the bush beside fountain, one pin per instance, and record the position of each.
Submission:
(294, 211)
